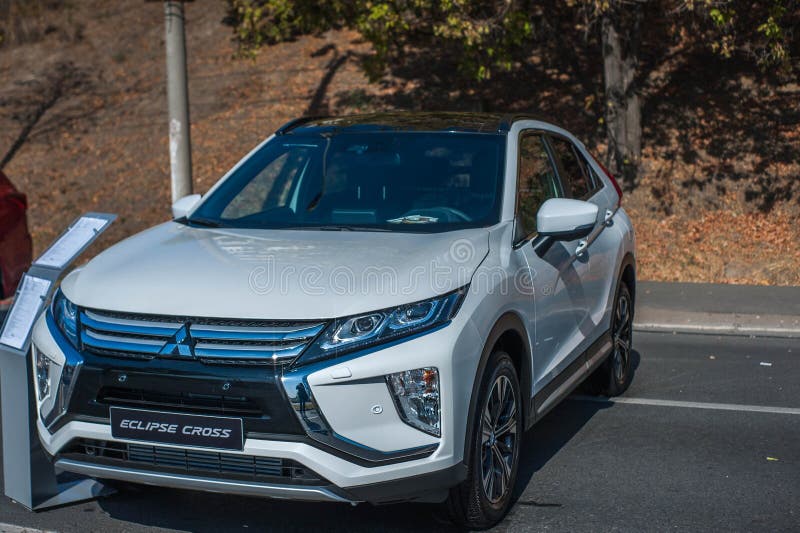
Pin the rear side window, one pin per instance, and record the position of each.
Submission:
(537, 182)
(575, 174)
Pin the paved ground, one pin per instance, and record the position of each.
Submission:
(590, 465)
(721, 309)
(719, 298)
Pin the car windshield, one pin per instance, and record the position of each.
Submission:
(379, 181)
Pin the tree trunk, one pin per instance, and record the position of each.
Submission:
(623, 116)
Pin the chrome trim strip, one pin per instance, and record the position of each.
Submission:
(278, 333)
(261, 348)
(119, 345)
(240, 352)
(121, 325)
(94, 335)
(180, 481)
(229, 340)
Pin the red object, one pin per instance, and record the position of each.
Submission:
(611, 177)
(15, 242)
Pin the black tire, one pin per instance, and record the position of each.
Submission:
(469, 504)
(614, 376)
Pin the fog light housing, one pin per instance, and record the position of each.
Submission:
(42, 375)
(416, 396)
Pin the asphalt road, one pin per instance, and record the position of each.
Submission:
(589, 465)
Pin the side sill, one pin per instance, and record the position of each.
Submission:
(572, 376)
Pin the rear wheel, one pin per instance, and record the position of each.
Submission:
(614, 376)
(484, 497)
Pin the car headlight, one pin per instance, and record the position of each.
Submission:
(65, 314)
(357, 332)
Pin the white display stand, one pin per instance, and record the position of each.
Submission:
(29, 477)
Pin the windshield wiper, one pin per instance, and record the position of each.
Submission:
(336, 227)
(205, 222)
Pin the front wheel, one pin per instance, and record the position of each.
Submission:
(485, 496)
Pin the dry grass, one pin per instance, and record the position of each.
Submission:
(102, 144)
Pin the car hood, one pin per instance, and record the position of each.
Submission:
(173, 269)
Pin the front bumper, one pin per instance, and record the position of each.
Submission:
(181, 481)
(366, 454)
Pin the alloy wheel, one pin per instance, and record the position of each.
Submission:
(499, 439)
(622, 334)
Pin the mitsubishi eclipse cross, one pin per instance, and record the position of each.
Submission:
(364, 309)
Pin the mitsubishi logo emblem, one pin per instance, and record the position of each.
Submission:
(181, 343)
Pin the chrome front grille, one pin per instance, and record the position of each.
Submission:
(216, 341)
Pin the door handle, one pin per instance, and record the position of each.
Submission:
(609, 215)
(582, 246)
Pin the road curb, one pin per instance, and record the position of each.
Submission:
(718, 309)
(740, 324)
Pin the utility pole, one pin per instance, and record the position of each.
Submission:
(180, 149)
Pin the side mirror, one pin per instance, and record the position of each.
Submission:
(563, 219)
(182, 207)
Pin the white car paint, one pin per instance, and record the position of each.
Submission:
(273, 275)
(173, 269)
(184, 205)
(559, 213)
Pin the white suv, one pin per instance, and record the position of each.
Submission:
(364, 309)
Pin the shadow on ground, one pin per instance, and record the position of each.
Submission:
(551, 434)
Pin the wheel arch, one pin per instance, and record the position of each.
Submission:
(627, 273)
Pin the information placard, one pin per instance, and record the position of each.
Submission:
(70, 244)
(28, 474)
(30, 298)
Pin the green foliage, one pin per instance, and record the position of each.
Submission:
(262, 22)
(774, 35)
(472, 40)
(758, 29)
(484, 35)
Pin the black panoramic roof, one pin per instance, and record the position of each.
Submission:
(497, 123)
